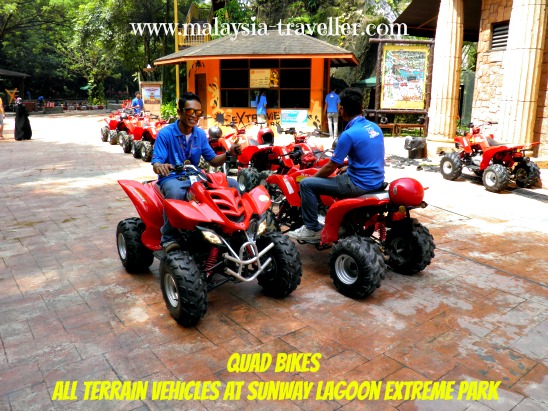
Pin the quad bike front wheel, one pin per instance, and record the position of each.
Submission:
(136, 148)
(450, 166)
(248, 178)
(128, 144)
(146, 151)
(122, 138)
(410, 248)
(113, 137)
(283, 274)
(104, 133)
(356, 266)
(527, 174)
(136, 258)
(496, 178)
(183, 288)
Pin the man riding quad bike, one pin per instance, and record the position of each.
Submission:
(222, 237)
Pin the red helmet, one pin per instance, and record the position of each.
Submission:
(406, 192)
(265, 136)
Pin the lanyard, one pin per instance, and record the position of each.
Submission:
(186, 145)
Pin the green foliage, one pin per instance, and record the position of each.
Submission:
(169, 109)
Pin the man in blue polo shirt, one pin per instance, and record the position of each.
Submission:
(175, 144)
(331, 108)
(363, 143)
(137, 104)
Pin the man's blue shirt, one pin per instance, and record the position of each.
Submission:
(137, 102)
(261, 105)
(363, 143)
(332, 100)
(168, 147)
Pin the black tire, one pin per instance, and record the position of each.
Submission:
(135, 257)
(136, 148)
(128, 144)
(496, 178)
(284, 273)
(450, 166)
(183, 288)
(248, 178)
(527, 174)
(356, 266)
(146, 151)
(412, 244)
(122, 138)
(263, 175)
(113, 137)
(104, 133)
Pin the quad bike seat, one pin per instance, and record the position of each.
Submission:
(493, 143)
(380, 194)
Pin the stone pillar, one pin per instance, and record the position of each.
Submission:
(444, 102)
(522, 68)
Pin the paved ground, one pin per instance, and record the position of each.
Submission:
(69, 312)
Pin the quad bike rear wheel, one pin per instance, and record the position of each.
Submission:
(527, 174)
(113, 137)
(496, 178)
(248, 178)
(104, 133)
(450, 166)
(284, 273)
(136, 148)
(146, 151)
(356, 266)
(410, 247)
(263, 175)
(136, 258)
(183, 288)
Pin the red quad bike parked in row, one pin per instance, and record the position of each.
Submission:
(497, 163)
(116, 124)
(365, 233)
(224, 238)
(141, 136)
(259, 162)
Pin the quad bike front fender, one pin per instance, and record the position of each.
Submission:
(257, 199)
(247, 153)
(337, 211)
(288, 186)
(149, 207)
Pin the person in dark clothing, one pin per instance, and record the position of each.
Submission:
(23, 130)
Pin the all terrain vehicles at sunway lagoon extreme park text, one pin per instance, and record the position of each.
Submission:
(366, 233)
(224, 237)
(497, 163)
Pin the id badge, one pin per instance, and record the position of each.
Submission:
(193, 179)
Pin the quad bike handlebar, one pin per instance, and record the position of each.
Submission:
(192, 170)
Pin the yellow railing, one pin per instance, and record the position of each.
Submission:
(196, 15)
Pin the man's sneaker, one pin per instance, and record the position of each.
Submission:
(171, 246)
(305, 234)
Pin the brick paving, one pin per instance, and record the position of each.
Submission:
(69, 311)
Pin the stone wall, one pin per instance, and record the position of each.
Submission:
(541, 123)
(489, 70)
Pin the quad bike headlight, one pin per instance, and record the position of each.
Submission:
(262, 227)
(212, 237)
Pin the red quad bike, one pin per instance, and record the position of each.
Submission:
(365, 233)
(495, 162)
(258, 162)
(116, 124)
(142, 135)
(223, 238)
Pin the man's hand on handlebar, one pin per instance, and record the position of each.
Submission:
(235, 150)
(162, 169)
(341, 170)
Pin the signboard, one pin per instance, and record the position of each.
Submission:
(297, 119)
(264, 78)
(151, 93)
(403, 74)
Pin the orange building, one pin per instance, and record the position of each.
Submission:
(228, 73)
